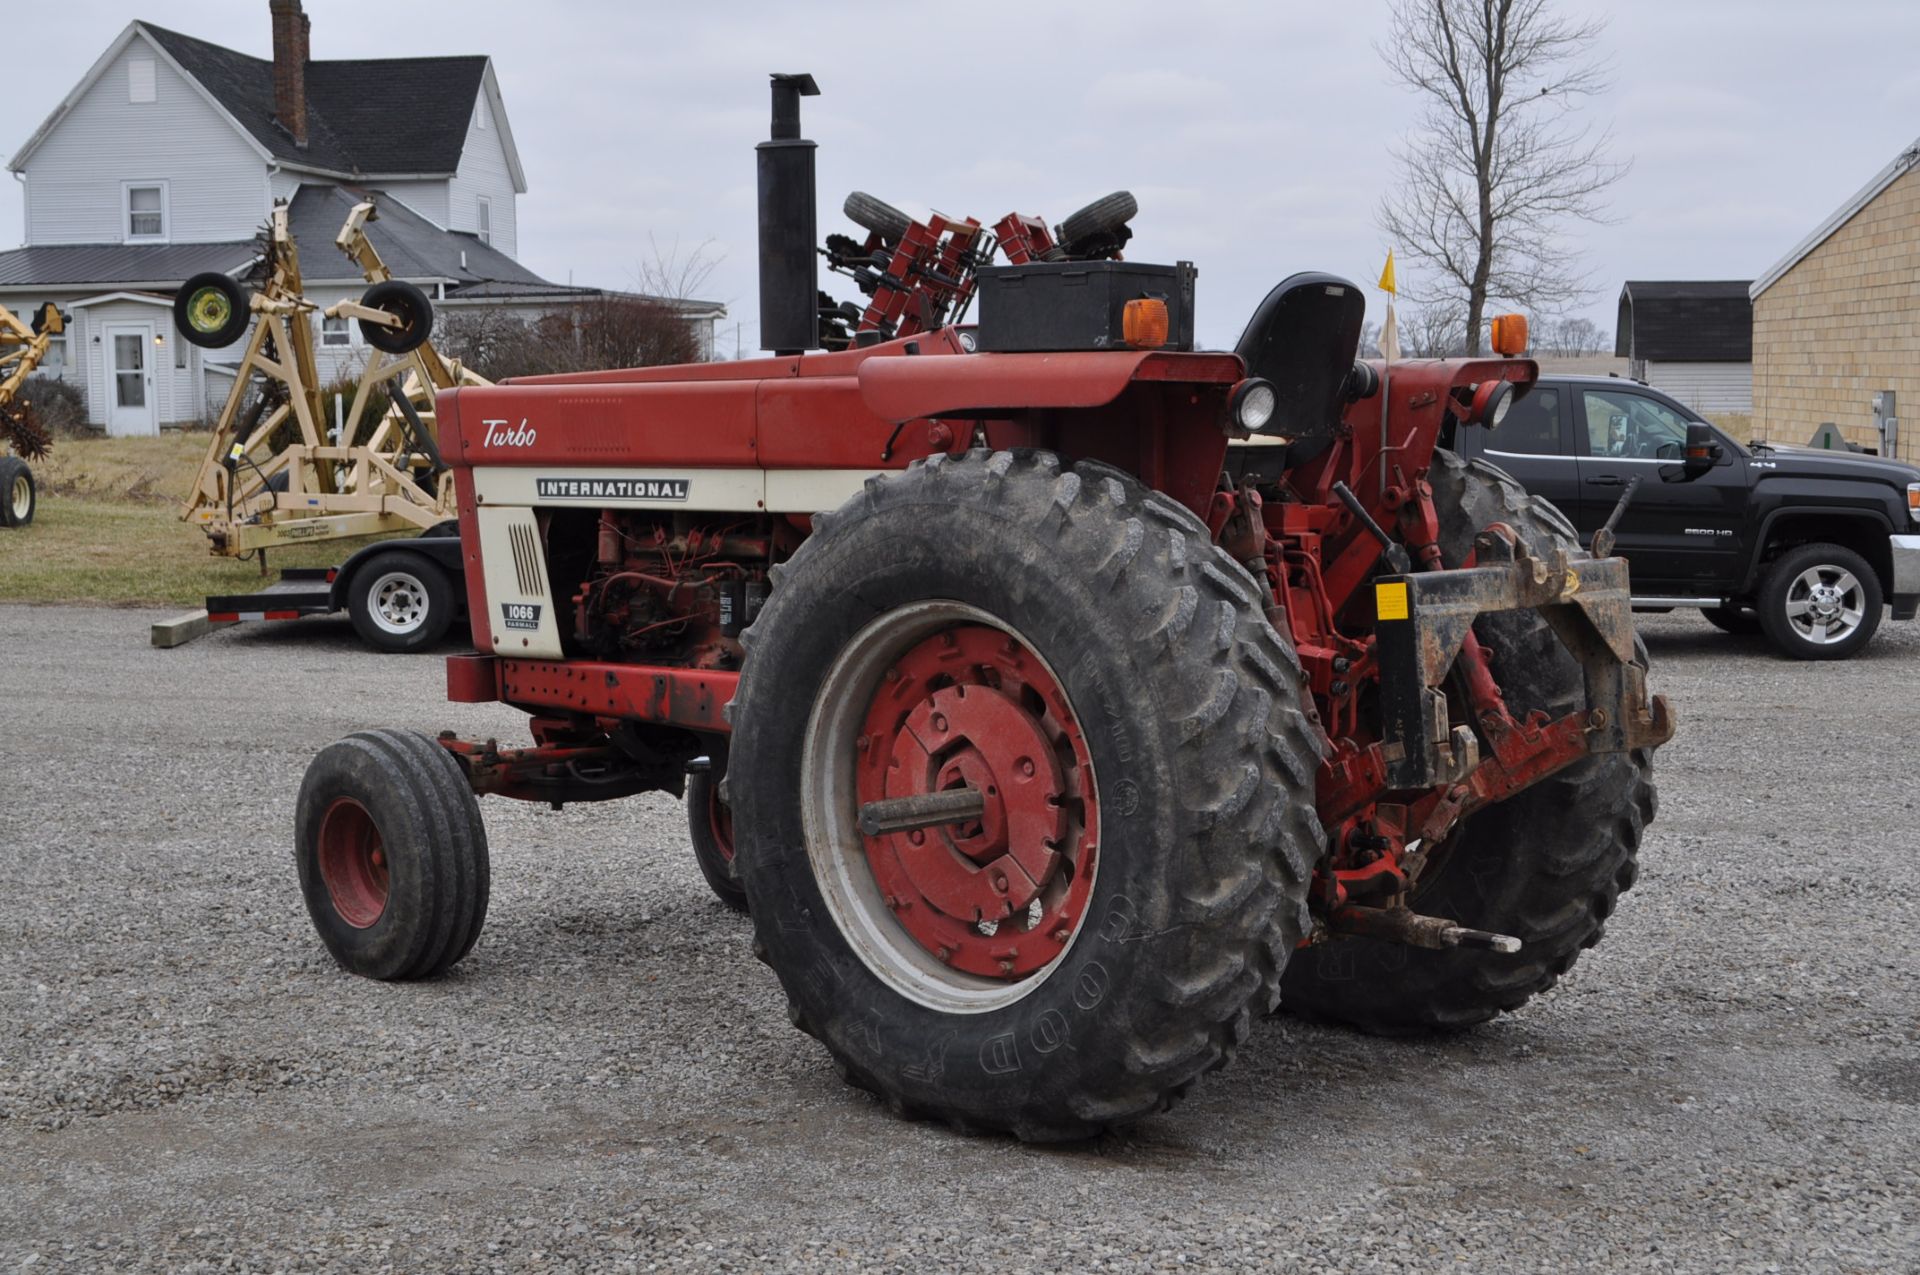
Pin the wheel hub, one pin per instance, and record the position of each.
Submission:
(1001, 895)
(399, 603)
(353, 863)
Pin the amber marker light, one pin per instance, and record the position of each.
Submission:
(1143, 323)
(1509, 334)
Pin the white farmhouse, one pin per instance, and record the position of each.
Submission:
(167, 157)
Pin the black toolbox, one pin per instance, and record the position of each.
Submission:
(1077, 305)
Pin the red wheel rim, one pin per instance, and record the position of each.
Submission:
(1001, 896)
(720, 823)
(353, 863)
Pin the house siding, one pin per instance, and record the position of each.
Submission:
(1843, 323)
(215, 180)
(1706, 387)
(483, 171)
(429, 199)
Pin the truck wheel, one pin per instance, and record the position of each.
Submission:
(400, 601)
(1546, 865)
(1732, 620)
(392, 855)
(1072, 646)
(1820, 602)
(17, 496)
(710, 825)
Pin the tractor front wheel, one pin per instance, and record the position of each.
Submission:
(392, 855)
(1065, 653)
(710, 827)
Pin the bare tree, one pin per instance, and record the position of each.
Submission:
(673, 275)
(1496, 166)
(1433, 331)
(1572, 336)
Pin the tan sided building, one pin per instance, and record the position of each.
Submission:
(1837, 320)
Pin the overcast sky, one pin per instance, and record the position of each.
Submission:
(1255, 135)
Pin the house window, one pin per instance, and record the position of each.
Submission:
(485, 221)
(335, 332)
(140, 85)
(480, 113)
(146, 210)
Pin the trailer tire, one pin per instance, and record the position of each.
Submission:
(877, 216)
(1793, 580)
(18, 496)
(1131, 677)
(400, 601)
(710, 826)
(392, 855)
(1103, 216)
(211, 310)
(406, 303)
(1546, 865)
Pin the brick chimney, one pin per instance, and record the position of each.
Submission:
(290, 54)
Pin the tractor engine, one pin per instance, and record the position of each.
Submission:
(672, 589)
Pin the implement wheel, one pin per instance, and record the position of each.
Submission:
(392, 855)
(404, 302)
(17, 496)
(1071, 648)
(1546, 865)
(211, 311)
(710, 826)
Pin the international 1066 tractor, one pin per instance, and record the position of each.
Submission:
(1056, 697)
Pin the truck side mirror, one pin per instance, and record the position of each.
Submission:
(1702, 452)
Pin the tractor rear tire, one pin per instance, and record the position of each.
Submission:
(392, 855)
(1546, 865)
(1097, 657)
(1102, 216)
(710, 827)
(18, 497)
(877, 216)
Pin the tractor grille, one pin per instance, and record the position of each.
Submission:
(527, 569)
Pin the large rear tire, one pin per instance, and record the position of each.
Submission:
(1546, 865)
(392, 855)
(1072, 645)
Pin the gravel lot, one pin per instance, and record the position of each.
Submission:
(1730, 1083)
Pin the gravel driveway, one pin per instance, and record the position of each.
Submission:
(1731, 1082)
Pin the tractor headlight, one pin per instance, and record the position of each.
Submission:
(1252, 405)
(1491, 402)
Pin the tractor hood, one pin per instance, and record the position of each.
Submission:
(985, 385)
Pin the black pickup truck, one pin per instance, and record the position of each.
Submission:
(1805, 546)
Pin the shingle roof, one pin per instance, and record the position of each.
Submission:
(351, 125)
(120, 264)
(412, 246)
(1685, 321)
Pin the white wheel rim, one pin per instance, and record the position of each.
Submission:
(1826, 604)
(21, 496)
(397, 603)
(830, 803)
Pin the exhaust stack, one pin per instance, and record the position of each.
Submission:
(789, 230)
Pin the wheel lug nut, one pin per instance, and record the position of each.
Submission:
(1026, 766)
(1000, 882)
(1006, 967)
(916, 836)
(940, 723)
(1062, 934)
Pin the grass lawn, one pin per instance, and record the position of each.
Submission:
(108, 530)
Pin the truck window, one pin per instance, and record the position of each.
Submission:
(1632, 427)
(1531, 427)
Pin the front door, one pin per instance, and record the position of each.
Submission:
(130, 405)
(1680, 536)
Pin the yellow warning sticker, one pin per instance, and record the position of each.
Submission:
(1390, 600)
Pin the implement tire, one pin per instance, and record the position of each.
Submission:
(392, 855)
(1071, 644)
(1546, 865)
(18, 498)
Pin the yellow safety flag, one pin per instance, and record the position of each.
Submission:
(1386, 277)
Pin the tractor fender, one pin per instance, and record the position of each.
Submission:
(907, 388)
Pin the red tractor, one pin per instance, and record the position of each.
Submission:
(1124, 693)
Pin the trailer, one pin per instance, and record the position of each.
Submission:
(402, 595)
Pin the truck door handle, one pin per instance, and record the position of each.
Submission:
(1607, 480)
